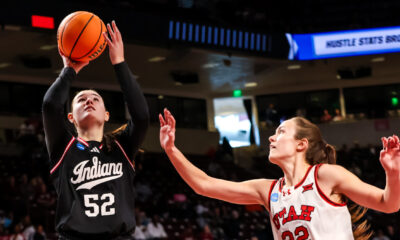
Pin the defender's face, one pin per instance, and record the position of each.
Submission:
(282, 143)
(88, 108)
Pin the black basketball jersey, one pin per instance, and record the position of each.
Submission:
(95, 187)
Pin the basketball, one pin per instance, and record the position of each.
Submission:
(80, 37)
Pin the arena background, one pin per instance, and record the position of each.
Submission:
(186, 75)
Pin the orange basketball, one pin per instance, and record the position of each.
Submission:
(80, 37)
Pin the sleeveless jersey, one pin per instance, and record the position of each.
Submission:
(96, 189)
(303, 212)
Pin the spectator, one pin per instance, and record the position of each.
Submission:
(326, 117)
(271, 115)
(45, 199)
(224, 152)
(301, 112)
(201, 208)
(216, 223)
(201, 211)
(226, 147)
(27, 138)
(23, 185)
(3, 233)
(143, 191)
(380, 235)
(39, 234)
(11, 190)
(26, 129)
(17, 235)
(188, 234)
(140, 229)
(338, 116)
(206, 233)
(29, 229)
(142, 218)
(6, 220)
(392, 233)
(155, 229)
(139, 233)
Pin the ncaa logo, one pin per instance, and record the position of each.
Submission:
(274, 197)
(80, 146)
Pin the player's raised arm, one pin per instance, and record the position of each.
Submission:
(247, 192)
(385, 200)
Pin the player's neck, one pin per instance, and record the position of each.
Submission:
(295, 171)
(91, 134)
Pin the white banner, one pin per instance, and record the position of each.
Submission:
(358, 41)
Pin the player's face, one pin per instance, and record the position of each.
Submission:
(282, 143)
(87, 109)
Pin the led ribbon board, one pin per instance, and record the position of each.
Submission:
(344, 43)
(217, 36)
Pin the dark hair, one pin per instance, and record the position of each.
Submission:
(361, 228)
(318, 150)
(321, 152)
(110, 137)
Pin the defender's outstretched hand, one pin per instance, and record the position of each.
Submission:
(167, 130)
(390, 155)
(115, 44)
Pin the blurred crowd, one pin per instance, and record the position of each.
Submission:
(166, 208)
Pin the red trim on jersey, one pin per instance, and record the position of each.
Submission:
(304, 178)
(282, 181)
(269, 194)
(298, 184)
(62, 157)
(101, 146)
(335, 204)
(83, 141)
(127, 158)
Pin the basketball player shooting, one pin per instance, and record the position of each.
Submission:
(93, 172)
(308, 201)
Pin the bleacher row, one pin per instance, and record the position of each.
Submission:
(160, 191)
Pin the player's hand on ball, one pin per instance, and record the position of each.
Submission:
(167, 130)
(390, 155)
(77, 66)
(115, 44)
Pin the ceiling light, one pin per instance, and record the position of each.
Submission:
(5, 64)
(294, 67)
(156, 59)
(160, 96)
(178, 84)
(251, 84)
(12, 28)
(48, 47)
(211, 65)
(378, 59)
(338, 76)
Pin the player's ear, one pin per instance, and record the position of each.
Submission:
(107, 116)
(302, 144)
(70, 117)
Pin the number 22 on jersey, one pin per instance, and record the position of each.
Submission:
(300, 232)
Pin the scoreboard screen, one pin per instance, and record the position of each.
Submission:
(344, 43)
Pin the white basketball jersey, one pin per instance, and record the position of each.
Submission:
(303, 212)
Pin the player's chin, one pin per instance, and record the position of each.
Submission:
(91, 118)
(272, 158)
